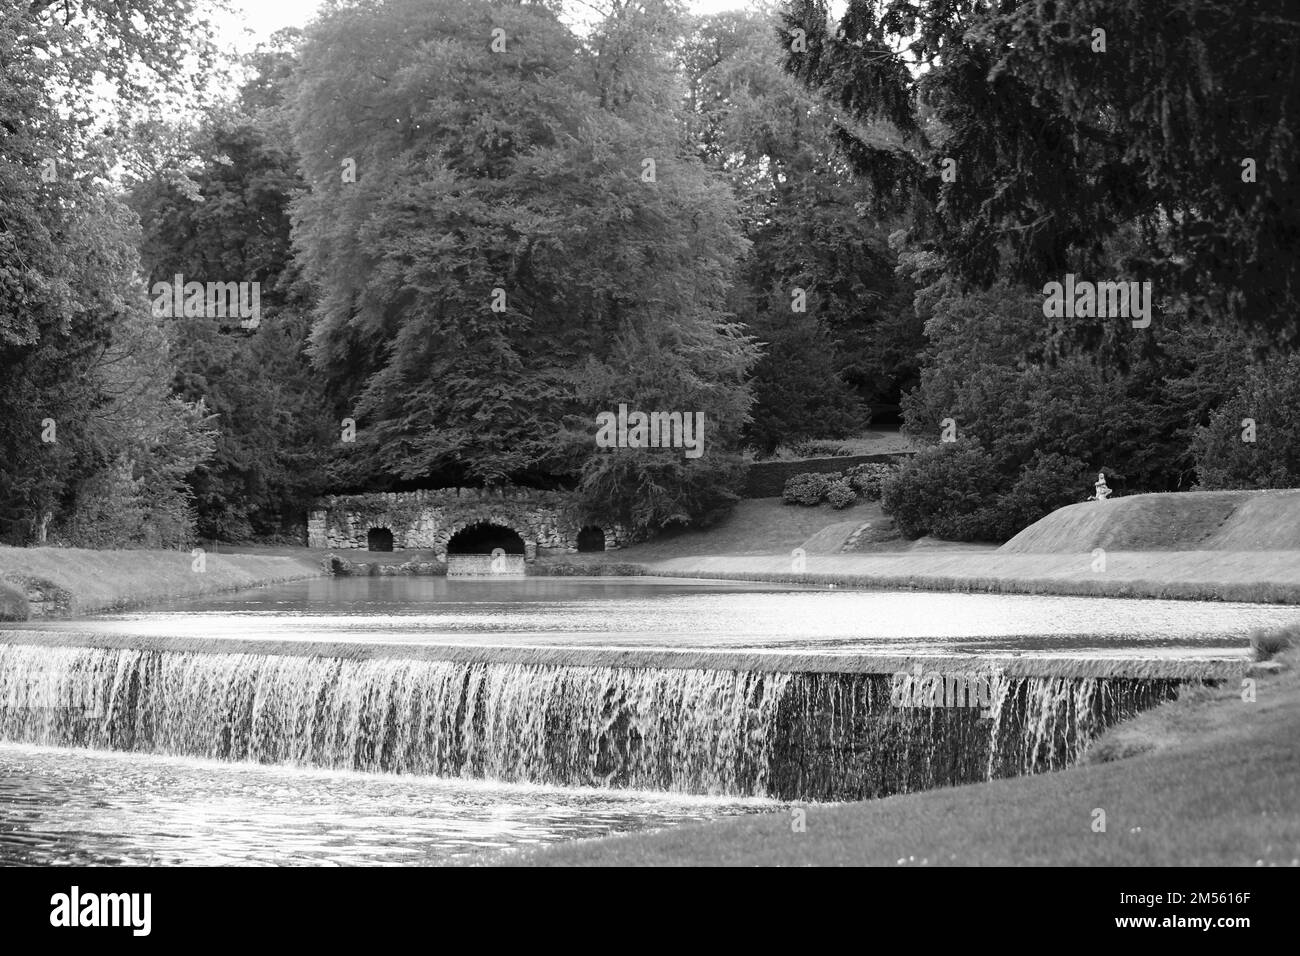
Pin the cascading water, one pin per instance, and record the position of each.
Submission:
(792, 736)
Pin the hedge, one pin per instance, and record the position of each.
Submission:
(767, 479)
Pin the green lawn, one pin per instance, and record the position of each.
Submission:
(1214, 781)
(98, 580)
(768, 526)
(1236, 521)
(756, 542)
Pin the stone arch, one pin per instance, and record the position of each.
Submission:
(379, 538)
(591, 538)
(507, 530)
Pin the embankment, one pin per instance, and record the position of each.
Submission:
(1213, 546)
(1222, 521)
(1271, 577)
(59, 582)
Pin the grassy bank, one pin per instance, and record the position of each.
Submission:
(1232, 521)
(1257, 576)
(1214, 546)
(102, 580)
(1207, 780)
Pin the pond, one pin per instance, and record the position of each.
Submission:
(67, 804)
(669, 612)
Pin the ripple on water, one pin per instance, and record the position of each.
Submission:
(77, 807)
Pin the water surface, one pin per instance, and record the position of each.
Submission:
(94, 808)
(670, 613)
(98, 807)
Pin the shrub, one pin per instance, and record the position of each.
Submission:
(808, 488)
(841, 494)
(1270, 397)
(13, 603)
(1268, 643)
(1047, 482)
(869, 480)
(938, 486)
(955, 491)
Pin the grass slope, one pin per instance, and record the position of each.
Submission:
(755, 526)
(1190, 546)
(99, 580)
(1263, 576)
(767, 526)
(1186, 521)
(1215, 782)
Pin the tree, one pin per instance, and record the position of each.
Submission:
(821, 275)
(993, 377)
(1253, 440)
(69, 299)
(1060, 137)
(526, 244)
(217, 209)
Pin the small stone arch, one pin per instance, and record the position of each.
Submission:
(591, 538)
(379, 539)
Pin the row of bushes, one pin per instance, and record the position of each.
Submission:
(953, 491)
(767, 479)
(840, 489)
(957, 492)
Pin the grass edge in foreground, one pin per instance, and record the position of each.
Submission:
(1210, 779)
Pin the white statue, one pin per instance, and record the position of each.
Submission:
(1103, 489)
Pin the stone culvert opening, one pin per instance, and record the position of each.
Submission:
(591, 538)
(379, 539)
(484, 538)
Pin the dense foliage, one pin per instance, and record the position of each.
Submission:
(217, 209)
(1021, 145)
(494, 280)
(477, 227)
(1253, 439)
(852, 340)
(93, 447)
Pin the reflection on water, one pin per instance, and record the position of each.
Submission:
(93, 808)
(660, 612)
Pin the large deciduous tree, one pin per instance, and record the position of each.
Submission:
(79, 406)
(527, 242)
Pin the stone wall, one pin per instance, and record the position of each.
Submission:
(486, 565)
(547, 521)
(37, 597)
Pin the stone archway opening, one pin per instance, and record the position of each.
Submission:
(484, 538)
(379, 539)
(591, 538)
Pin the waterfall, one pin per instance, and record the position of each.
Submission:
(735, 732)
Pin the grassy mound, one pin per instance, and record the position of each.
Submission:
(1184, 521)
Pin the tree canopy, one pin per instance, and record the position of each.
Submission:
(527, 243)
